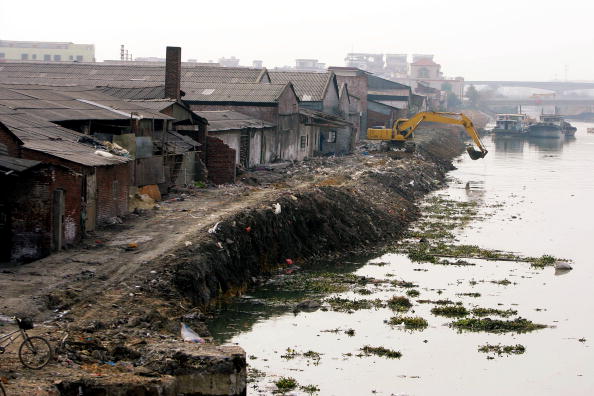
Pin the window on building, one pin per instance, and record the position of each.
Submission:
(423, 72)
(303, 142)
(24, 56)
(2, 55)
(79, 58)
(57, 58)
(34, 56)
(70, 57)
(47, 57)
(331, 137)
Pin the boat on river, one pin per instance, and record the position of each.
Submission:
(549, 126)
(511, 124)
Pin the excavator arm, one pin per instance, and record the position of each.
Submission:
(403, 129)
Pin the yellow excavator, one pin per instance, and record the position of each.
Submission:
(401, 133)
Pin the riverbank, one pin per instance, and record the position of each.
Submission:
(118, 301)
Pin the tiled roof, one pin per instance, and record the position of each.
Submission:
(322, 118)
(64, 104)
(40, 135)
(8, 164)
(119, 75)
(229, 92)
(226, 120)
(309, 86)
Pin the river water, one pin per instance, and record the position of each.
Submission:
(544, 192)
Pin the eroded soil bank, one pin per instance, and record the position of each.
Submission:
(114, 315)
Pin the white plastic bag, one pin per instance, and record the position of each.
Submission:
(189, 335)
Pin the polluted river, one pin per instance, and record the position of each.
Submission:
(425, 315)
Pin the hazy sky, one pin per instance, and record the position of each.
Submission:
(497, 40)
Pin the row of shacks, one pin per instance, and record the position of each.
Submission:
(78, 140)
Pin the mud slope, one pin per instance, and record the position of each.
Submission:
(367, 206)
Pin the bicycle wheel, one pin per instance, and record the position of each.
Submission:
(35, 352)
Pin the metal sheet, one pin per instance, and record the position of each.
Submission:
(144, 147)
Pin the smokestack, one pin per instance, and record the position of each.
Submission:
(173, 73)
(122, 52)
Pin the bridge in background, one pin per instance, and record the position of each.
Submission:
(556, 86)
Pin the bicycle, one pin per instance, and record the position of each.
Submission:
(35, 352)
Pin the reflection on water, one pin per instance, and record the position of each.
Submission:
(543, 190)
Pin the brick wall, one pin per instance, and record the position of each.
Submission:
(220, 161)
(30, 199)
(113, 186)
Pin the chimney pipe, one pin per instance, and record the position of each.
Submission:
(173, 73)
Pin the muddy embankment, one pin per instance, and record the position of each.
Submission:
(126, 340)
(355, 211)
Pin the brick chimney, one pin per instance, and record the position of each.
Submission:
(173, 73)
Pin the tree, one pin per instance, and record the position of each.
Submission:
(473, 96)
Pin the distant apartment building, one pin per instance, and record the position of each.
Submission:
(46, 51)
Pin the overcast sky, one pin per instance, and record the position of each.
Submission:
(495, 40)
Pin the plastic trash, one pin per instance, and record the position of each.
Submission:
(189, 335)
(562, 265)
(188, 243)
(277, 208)
(214, 228)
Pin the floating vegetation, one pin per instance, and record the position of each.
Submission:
(381, 351)
(499, 349)
(350, 332)
(542, 261)
(471, 294)
(365, 292)
(409, 322)
(457, 262)
(379, 264)
(316, 356)
(285, 384)
(413, 293)
(439, 302)
(310, 389)
(399, 304)
(518, 325)
(292, 354)
(321, 283)
(401, 283)
(503, 282)
(253, 374)
(420, 255)
(450, 311)
(345, 305)
(493, 311)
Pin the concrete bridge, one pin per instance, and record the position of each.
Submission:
(556, 86)
(565, 102)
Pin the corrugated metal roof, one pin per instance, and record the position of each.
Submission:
(233, 92)
(64, 104)
(119, 75)
(155, 104)
(324, 118)
(226, 120)
(144, 93)
(179, 144)
(309, 86)
(16, 164)
(41, 135)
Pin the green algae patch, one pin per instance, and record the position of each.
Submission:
(450, 311)
(518, 325)
(399, 304)
(345, 305)
(381, 351)
(310, 389)
(493, 312)
(543, 261)
(499, 349)
(285, 384)
(409, 322)
(470, 294)
(413, 293)
(420, 255)
(403, 283)
(439, 302)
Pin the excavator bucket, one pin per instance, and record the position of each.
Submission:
(474, 153)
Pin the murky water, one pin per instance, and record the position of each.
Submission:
(548, 188)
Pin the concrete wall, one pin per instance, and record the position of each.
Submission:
(358, 86)
(331, 103)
